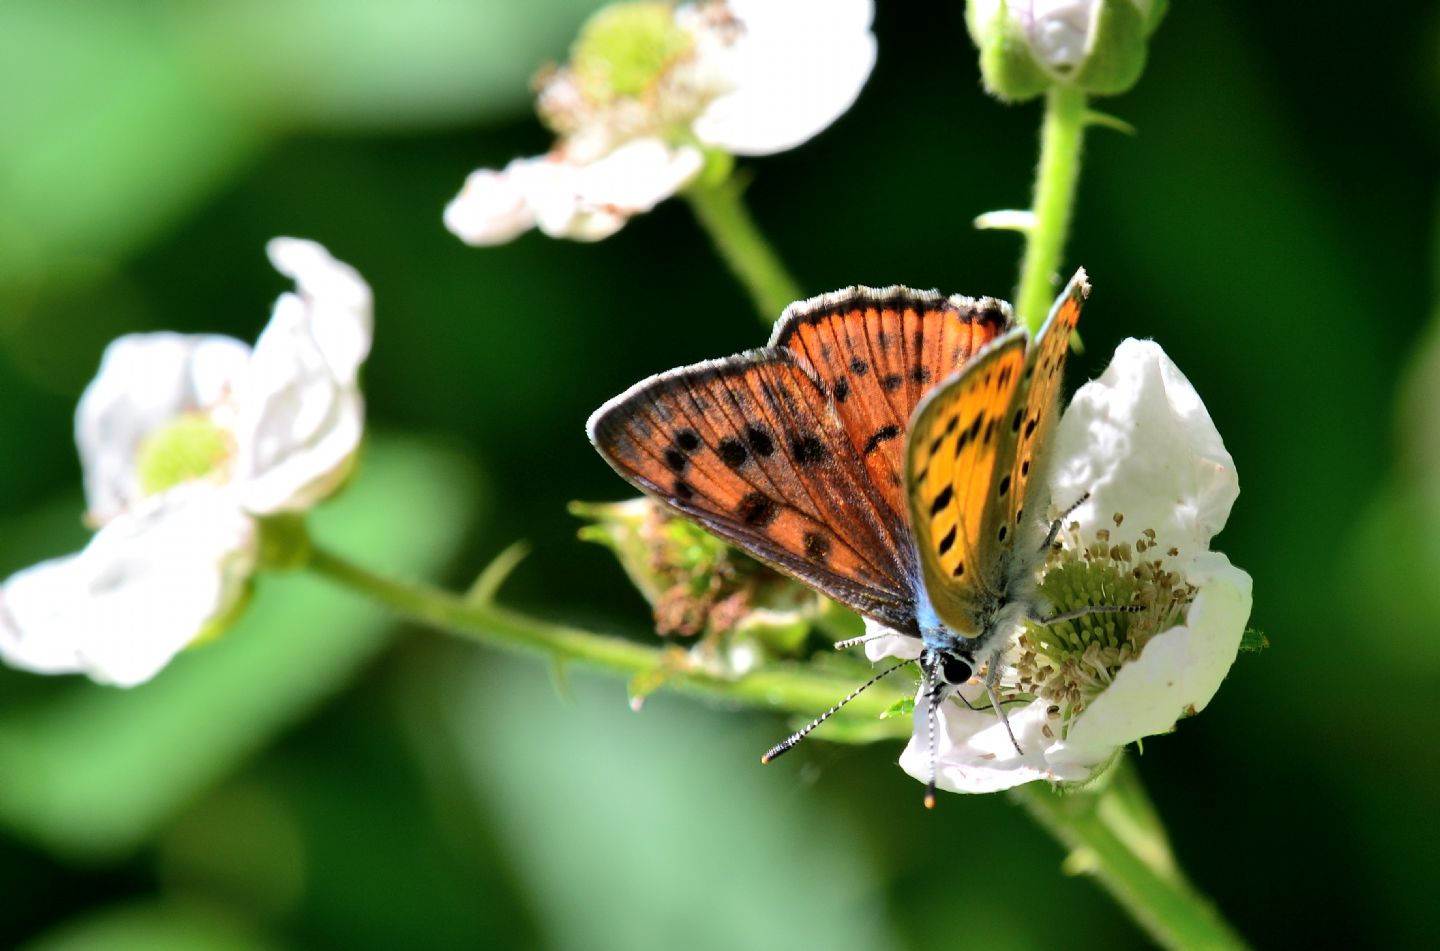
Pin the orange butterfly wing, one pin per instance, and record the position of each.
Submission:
(878, 352)
(749, 448)
(1044, 373)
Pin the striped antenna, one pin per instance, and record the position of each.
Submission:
(789, 743)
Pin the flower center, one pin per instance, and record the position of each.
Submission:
(189, 447)
(624, 49)
(1072, 662)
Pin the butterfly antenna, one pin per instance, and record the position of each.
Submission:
(850, 642)
(1055, 525)
(789, 743)
(931, 715)
(1091, 609)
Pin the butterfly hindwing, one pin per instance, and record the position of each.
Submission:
(877, 352)
(1036, 408)
(750, 448)
(969, 505)
(955, 465)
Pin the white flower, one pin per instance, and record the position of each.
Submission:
(185, 441)
(1140, 441)
(648, 88)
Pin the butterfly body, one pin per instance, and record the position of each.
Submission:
(886, 447)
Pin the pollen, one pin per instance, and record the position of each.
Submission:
(1070, 663)
(188, 448)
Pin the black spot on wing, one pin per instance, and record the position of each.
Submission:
(760, 439)
(732, 452)
(892, 381)
(859, 367)
(817, 546)
(841, 390)
(889, 431)
(808, 449)
(757, 509)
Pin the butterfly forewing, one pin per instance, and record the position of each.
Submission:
(750, 448)
(954, 465)
(877, 353)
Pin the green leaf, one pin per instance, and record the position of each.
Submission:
(94, 770)
(900, 708)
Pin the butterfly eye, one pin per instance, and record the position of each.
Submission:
(955, 670)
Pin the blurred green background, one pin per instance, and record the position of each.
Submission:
(320, 778)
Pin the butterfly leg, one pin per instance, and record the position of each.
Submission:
(992, 677)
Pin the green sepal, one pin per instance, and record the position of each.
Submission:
(1253, 641)
(284, 542)
(1116, 56)
(1007, 67)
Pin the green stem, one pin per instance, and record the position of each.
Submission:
(1113, 834)
(722, 213)
(1061, 135)
(785, 687)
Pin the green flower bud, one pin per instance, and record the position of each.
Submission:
(697, 584)
(1028, 46)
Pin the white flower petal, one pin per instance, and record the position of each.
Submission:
(1060, 31)
(145, 381)
(1141, 442)
(973, 751)
(145, 587)
(495, 207)
(297, 426)
(798, 65)
(592, 201)
(34, 606)
(1176, 674)
(336, 299)
(889, 643)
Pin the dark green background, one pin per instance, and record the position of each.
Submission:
(313, 781)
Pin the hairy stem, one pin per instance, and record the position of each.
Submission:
(1114, 835)
(786, 687)
(1061, 136)
(721, 211)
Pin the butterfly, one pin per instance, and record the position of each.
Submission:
(888, 447)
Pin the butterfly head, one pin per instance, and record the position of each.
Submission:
(945, 670)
